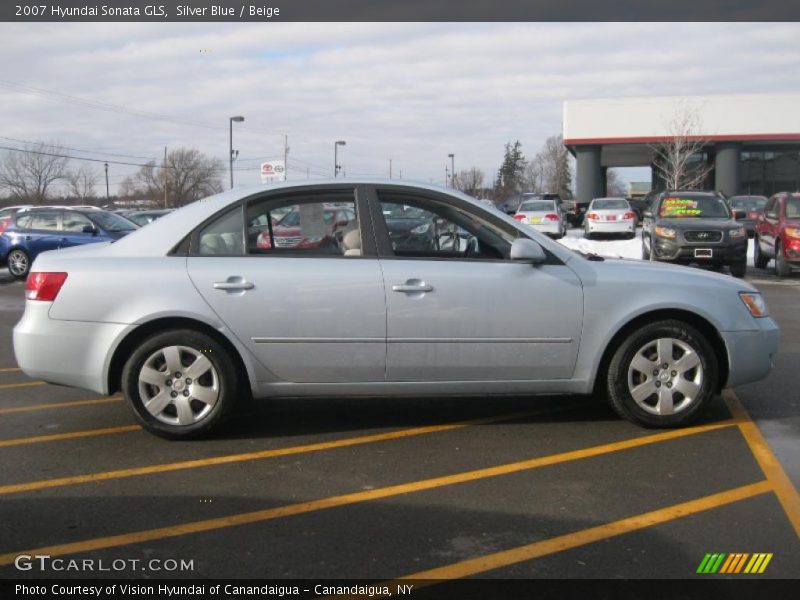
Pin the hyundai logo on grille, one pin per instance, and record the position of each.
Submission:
(702, 235)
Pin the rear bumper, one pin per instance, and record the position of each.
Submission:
(628, 226)
(73, 353)
(750, 353)
(548, 227)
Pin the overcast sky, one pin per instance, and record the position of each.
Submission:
(410, 92)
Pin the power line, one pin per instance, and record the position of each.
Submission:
(29, 142)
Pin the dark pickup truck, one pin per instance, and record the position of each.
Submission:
(692, 227)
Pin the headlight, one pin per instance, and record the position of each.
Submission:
(792, 232)
(736, 233)
(754, 303)
(665, 232)
(421, 229)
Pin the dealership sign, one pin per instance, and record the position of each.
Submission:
(274, 170)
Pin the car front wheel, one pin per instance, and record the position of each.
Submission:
(782, 268)
(662, 374)
(180, 384)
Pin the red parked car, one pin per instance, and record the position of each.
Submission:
(778, 233)
(292, 231)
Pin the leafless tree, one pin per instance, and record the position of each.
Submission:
(28, 174)
(678, 160)
(550, 171)
(615, 186)
(82, 183)
(188, 174)
(470, 181)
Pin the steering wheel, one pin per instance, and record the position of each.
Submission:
(472, 247)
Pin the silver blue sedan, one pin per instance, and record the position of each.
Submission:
(223, 299)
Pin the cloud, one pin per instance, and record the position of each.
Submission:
(410, 92)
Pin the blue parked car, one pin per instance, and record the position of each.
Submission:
(28, 232)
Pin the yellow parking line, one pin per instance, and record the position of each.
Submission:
(770, 465)
(66, 436)
(506, 558)
(262, 454)
(34, 407)
(6, 386)
(355, 497)
(10, 370)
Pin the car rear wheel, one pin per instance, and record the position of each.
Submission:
(662, 374)
(19, 263)
(782, 268)
(738, 269)
(759, 260)
(645, 250)
(180, 384)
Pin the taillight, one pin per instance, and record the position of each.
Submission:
(629, 215)
(4, 222)
(551, 217)
(520, 217)
(592, 216)
(44, 286)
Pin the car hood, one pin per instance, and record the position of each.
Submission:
(689, 224)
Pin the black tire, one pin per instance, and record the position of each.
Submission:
(645, 251)
(738, 269)
(222, 372)
(587, 234)
(759, 260)
(782, 268)
(19, 263)
(619, 394)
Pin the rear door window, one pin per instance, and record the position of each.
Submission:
(45, 220)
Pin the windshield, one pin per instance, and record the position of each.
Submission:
(537, 206)
(748, 202)
(110, 221)
(610, 204)
(693, 207)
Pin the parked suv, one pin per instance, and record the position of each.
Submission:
(694, 228)
(778, 234)
(28, 232)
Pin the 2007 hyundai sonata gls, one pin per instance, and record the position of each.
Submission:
(373, 288)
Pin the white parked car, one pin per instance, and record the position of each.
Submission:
(609, 215)
(544, 216)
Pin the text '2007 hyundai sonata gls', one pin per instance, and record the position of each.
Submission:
(209, 304)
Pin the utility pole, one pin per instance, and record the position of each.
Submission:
(285, 157)
(308, 172)
(107, 200)
(164, 173)
(446, 175)
(390, 168)
(401, 173)
(452, 158)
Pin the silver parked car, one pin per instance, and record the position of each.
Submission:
(609, 215)
(544, 216)
(206, 306)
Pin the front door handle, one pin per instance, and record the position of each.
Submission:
(412, 286)
(234, 284)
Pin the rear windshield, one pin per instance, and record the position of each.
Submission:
(537, 206)
(610, 204)
(748, 202)
(693, 207)
(111, 221)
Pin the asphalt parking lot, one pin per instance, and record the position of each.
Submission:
(428, 488)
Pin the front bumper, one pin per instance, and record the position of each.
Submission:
(750, 353)
(73, 353)
(721, 252)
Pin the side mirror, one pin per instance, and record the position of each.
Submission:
(525, 250)
(89, 229)
(647, 214)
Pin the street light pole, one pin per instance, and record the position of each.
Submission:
(238, 119)
(107, 200)
(336, 166)
(452, 158)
